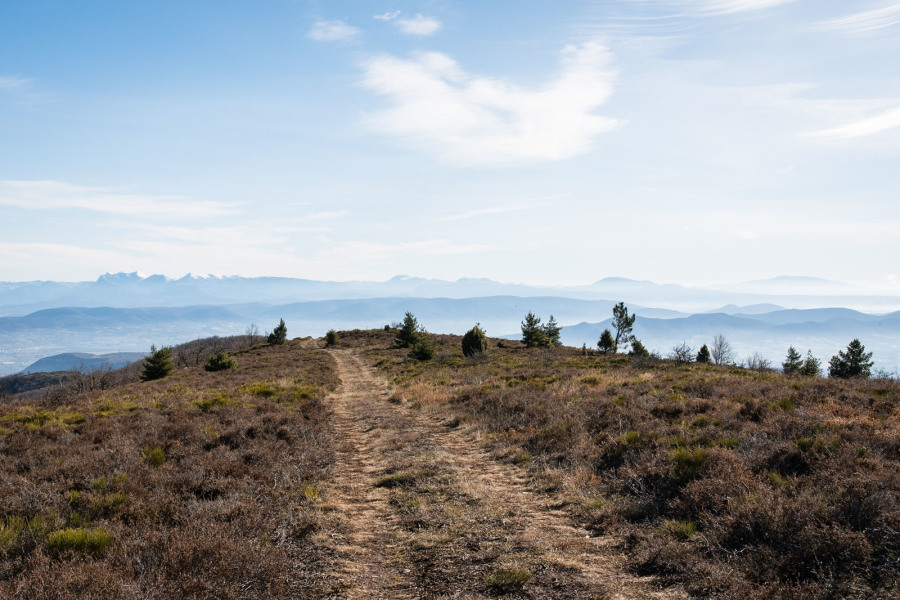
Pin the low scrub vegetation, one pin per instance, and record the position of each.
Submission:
(727, 481)
(190, 486)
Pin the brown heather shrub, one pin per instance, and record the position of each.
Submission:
(158, 492)
(728, 482)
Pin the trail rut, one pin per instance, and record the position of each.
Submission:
(459, 518)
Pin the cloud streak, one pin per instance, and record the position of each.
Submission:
(13, 82)
(57, 195)
(420, 25)
(866, 127)
(718, 7)
(333, 31)
(474, 120)
(868, 22)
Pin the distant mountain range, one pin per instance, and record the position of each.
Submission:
(82, 361)
(127, 312)
(132, 290)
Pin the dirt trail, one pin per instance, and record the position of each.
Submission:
(480, 513)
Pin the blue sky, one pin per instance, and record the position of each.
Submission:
(685, 141)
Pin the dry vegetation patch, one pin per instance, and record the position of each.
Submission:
(190, 486)
(727, 482)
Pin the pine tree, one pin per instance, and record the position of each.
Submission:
(532, 333)
(855, 362)
(331, 338)
(551, 332)
(409, 331)
(703, 355)
(811, 366)
(793, 362)
(606, 344)
(158, 365)
(279, 334)
(622, 324)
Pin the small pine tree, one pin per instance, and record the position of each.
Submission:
(331, 338)
(158, 365)
(703, 355)
(279, 334)
(855, 362)
(584, 350)
(622, 324)
(551, 332)
(638, 349)
(532, 333)
(475, 341)
(793, 362)
(811, 366)
(220, 361)
(409, 331)
(607, 343)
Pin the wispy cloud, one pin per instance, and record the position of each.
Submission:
(55, 195)
(469, 119)
(419, 25)
(388, 16)
(717, 7)
(333, 31)
(14, 82)
(493, 210)
(721, 7)
(874, 125)
(868, 22)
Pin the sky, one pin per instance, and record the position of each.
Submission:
(557, 143)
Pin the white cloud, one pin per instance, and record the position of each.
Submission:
(718, 7)
(868, 22)
(388, 16)
(874, 125)
(419, 25)
(470, 119)
(55, 195)
(332, 31)
(721, 7)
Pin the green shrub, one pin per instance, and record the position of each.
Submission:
(219, 399)
(680, 530)
(80, 540)
(507, 580)
(474, 341)
(259, 388)
(10, 529)
(220, 361)
(422, 348)
(331, 338)
(154, 457)
(686, 464)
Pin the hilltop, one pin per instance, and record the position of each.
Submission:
(352, 471)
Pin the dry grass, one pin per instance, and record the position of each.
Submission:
(191, 486)
(727, 482)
